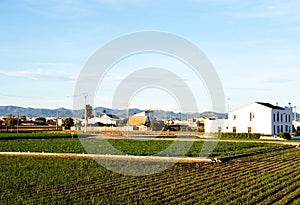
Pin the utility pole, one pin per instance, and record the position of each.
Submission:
(127, 115)
(18, 122)
(85, 114)
(295, 118)
(57, 120)
(228, 101)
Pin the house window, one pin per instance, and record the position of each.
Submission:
(287, 128)
(234, 117)
(274, 129)
(274, 117)
(251, 116)
(289, 118)
(249, 129)
(277, 116)
(281, 117)
(234, 129)
(278, 129)
(286, 118)
(281, 128)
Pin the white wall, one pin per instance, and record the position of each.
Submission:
(261, 120)
(213, 125)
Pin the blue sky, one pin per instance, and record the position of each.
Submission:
(254, 46)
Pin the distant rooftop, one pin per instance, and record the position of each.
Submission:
(270, 106)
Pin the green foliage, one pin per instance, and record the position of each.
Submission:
(40, 121)
(68, 122)
(232, 135)
(171, 128)
(45, 145)
(132, 147)
(285, 135)
(89, 111)
(37, 135)
(201, 128)
(23, 118)
(9, 120)
(271, 178)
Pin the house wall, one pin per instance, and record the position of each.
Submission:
(213, 125)
(253, 118)
(282, 120)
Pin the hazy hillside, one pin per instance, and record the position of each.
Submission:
(62, 112)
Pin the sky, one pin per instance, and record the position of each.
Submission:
(253, 45)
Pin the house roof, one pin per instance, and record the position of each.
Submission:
(270, 106)
(109, 116)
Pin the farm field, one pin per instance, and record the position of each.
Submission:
(270, 178)
(36, 135)
(129, 146)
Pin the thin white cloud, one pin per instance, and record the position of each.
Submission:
(58, 8)
(38, 74)
(54, 64)
(269, 9)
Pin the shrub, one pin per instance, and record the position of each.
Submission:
(233, 135)
(285, 135)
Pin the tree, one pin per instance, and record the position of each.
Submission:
(40, 121)
(51, 122)
(68, 122)
(89, 111)
(9, 120)
(23, 118)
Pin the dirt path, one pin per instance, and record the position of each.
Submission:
(111, 157)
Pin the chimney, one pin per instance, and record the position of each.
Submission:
(290, 105)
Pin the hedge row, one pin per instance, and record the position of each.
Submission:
(232, 135)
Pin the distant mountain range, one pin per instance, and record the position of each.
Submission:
(63, 113)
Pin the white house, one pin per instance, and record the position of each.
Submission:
(257, 117)
(104, 120)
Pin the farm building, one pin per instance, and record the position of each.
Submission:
(141, 119)
(104, 120)
(257, 117)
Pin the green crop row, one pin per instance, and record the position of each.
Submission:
(135, 147)
(36, 135)
(261, 179)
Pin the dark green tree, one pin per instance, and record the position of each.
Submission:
(9, 120)
(23, 118)
(68, 122)
(89, 111)
(40, 121)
